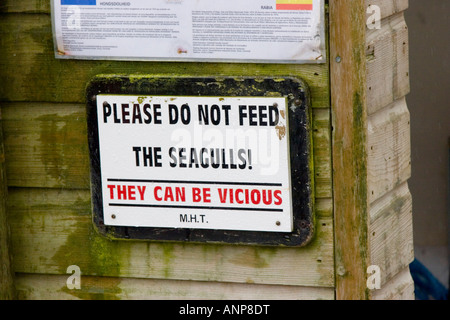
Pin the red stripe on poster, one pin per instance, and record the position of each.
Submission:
(288, 6)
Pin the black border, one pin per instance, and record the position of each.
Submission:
(300, 133)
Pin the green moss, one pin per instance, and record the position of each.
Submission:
(255, 257)
(67, 155)
(102, 253)
(141, 99)
(360, 175)
(168, 255)
(102, 260)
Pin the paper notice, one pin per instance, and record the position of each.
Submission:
(289, 31)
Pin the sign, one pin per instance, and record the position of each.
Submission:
(204, 155)
(171, 162)
(289, 31)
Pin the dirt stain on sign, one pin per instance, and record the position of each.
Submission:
(281, 131)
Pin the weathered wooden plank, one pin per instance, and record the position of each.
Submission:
(401, 287)
(27, 42)
(348, 100)
(52, 229)
(53, 287)
(322, 153)
(25, 6)
(387, 63)
(389, 7)
(391, 232)
(46, 146)
(6, 272)
(389, 149)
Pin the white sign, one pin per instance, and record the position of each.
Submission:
(289, 31)
(195, 162)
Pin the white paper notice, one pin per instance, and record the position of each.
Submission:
(288, 31)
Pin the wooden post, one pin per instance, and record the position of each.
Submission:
(6, 274)
(369, 78)
(348, 71)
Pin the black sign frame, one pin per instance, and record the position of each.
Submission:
(300, 144)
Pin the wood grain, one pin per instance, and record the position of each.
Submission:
(7, 290)
(389, 152)
(401, 287)
(389, 149)
(53, 287)
(389, 7)
(391, 232)
(349, 112)
(387, 57)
